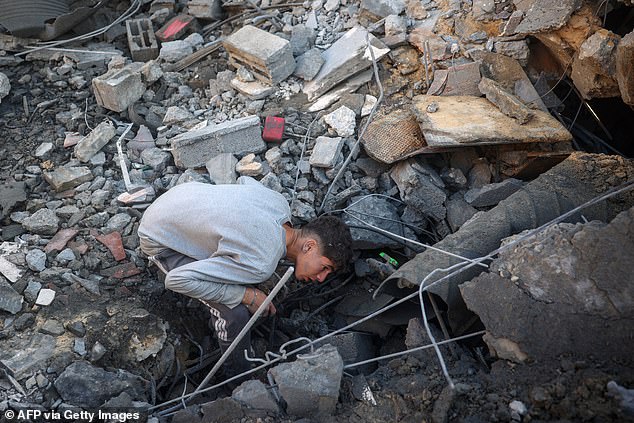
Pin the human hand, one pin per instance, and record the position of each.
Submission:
(253, 299)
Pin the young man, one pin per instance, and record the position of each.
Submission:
(215, 242)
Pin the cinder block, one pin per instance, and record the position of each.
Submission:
(267, 56)
(118, 88)
(141, 40)
(239, 136)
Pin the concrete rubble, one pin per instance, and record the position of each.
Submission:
(470, 122)
(554, 278)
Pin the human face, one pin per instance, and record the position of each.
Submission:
(311, 265)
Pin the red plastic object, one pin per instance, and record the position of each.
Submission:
(174, 28)
(273, 129)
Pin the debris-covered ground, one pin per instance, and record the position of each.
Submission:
(460, 124)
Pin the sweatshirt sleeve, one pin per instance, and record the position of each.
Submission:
(216, 279)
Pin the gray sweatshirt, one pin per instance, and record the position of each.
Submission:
(234, 231)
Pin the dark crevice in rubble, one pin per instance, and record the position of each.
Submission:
(113, 318)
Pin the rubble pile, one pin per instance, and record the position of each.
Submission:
(430, 119)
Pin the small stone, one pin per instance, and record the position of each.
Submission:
(24, 321)
(36, 260)
(343, 121)
(31, 290)
(65, 256)
(518, 407)
(42, 222)
(176, 115)
(79, 347)
(118, 223)
(45, 297)
(44, 150)
(248, 166)
(244, 74)
(52, 327)
(77, 328)
(173, 51)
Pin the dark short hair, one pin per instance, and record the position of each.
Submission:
(333, 236)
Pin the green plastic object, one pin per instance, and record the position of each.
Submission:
(389, 259)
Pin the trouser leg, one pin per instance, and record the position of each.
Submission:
(227, 323)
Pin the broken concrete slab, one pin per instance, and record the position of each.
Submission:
(326, 152)
(505, 101)
(507, 72)
(344, 58)
(92, 143)
(84, 385)
(118, 88)
(570, 183)
(310, 386)
(594, 66)
(420, 36)
(463, 120)
(222, 169)
(349, 86)
(239, 136)
(568, 279)
(624, 60)
(65, 178)
(267, 56)
(492, 194)
(29, 357)
(544, 15)
(10, 300)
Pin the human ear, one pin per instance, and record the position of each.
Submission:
(308, 245)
